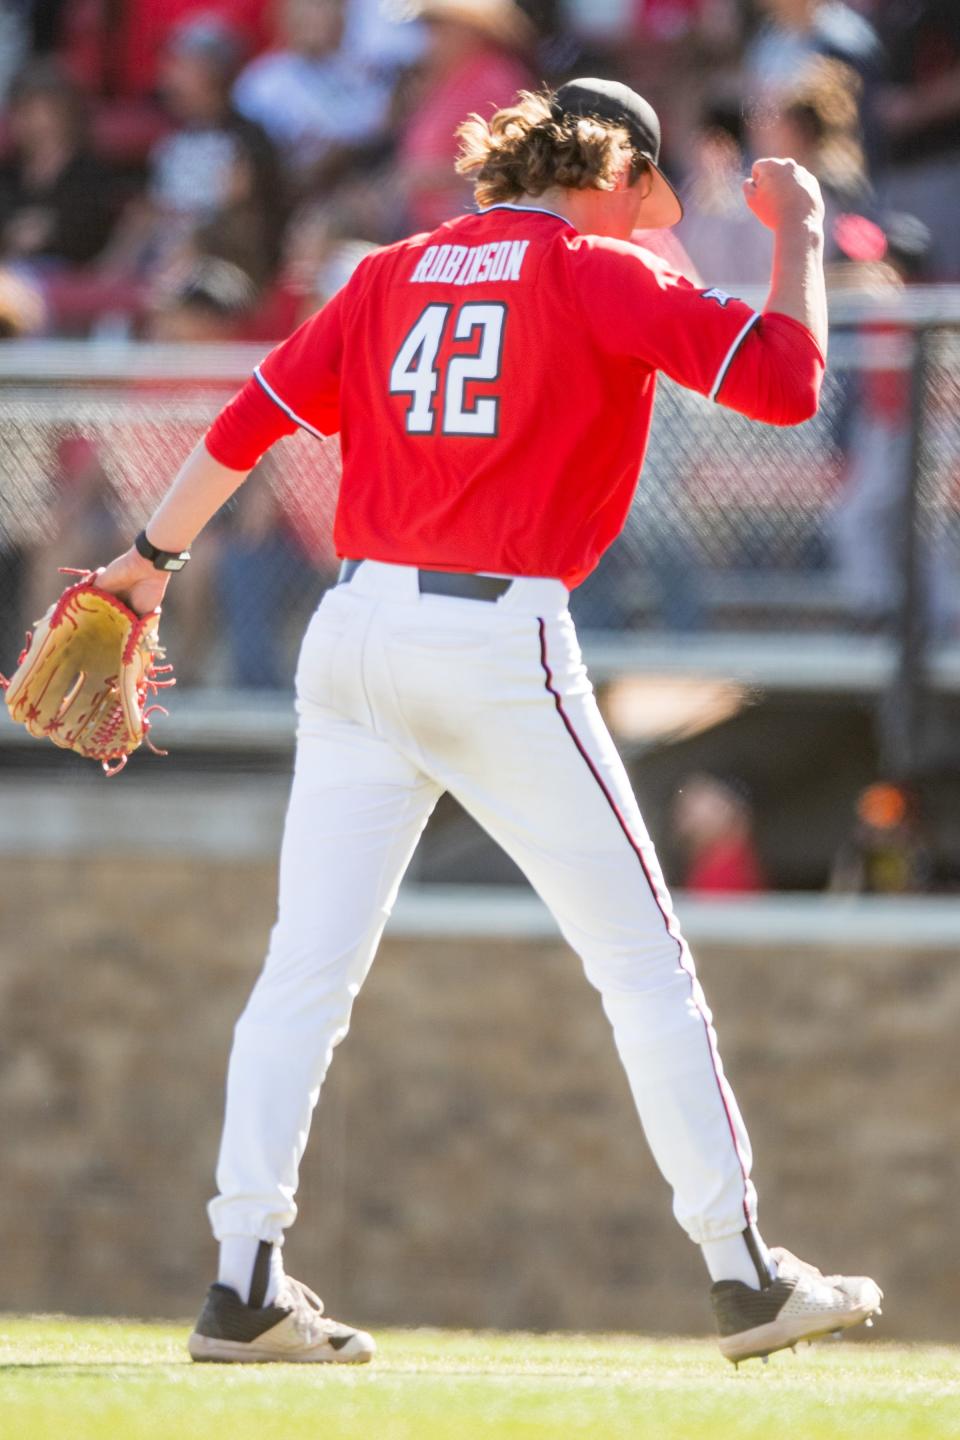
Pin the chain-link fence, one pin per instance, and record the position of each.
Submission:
(742, 527)
(91, 439)
(737, 527)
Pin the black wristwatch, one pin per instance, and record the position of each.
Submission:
(161, 559)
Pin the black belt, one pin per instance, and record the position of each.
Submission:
(444, 582)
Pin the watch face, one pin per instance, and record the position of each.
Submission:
(173, 562)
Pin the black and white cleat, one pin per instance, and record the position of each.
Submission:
(799, 1304)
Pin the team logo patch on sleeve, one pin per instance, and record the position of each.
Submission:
(721, 297)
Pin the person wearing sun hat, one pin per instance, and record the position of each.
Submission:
(476, 60)
(500, 21)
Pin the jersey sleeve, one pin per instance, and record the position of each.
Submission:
(776, 373)
(767, 367)
(296, 386)
(246, 428)
(302, 375)
(640, 308)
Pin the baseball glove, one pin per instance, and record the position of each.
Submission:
(85, 674)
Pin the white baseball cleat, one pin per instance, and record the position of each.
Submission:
(799, 1304)
(293, 1329)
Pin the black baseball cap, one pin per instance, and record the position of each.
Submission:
(619, 105)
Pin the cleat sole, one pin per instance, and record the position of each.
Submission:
(207, 1350)
(765, 1340)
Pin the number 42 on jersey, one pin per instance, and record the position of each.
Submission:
(415, 370)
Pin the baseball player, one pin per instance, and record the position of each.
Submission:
(492, 385)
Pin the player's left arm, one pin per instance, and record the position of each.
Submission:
(767, 365)
(296, 386)
(774, 368)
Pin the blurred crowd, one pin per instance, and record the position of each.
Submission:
(204, 169)
(713, 850)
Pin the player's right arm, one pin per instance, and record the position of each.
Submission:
(201, 486)
(296, 386)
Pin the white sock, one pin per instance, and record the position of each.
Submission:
(239, 1256)
(739, 1257)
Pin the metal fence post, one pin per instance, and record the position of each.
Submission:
(902, 720)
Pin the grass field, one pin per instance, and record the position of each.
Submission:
(63, 1379)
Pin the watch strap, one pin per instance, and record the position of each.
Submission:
(160, 559)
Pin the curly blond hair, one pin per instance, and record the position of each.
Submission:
(824, 102)
(523, 150)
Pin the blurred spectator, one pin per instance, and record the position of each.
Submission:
(338, 262)
(246, 229)
(674, 52)
(57, 199)
(216, 169)
(238, 615)
(475, 61)
(263, 579)
(607, 598)
(294, 294)
(14, 45)
(919, 115)
(311, 95)
(722, 237)
(795, 32)
(22, 310)
(817, 124)
(865, 529)
(885, 853)
(713, 826)
(618, 20)
(213, 303)
(45, 23)
(193, 170)
(642, 36)
(114, 46)
(240, 231)
(255, 567)
(81, 528)
(22, 313)
(381, 37)
(320, 252)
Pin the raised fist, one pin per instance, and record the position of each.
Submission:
(781, 192)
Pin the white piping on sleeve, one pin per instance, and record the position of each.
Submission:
(728, 358)
(297, 419)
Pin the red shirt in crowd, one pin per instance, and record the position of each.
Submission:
(120, 59)
(493, 384)
(729, 866)
(428, 146)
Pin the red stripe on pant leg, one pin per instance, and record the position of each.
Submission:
(681, 949)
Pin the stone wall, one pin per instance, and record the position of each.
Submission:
(476, 1161)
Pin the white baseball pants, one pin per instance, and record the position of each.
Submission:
(401, 696)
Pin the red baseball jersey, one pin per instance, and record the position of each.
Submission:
(493, 384)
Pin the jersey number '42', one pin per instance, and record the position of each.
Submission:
(415, 371)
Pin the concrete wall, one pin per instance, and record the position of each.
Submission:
(476, 1160)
